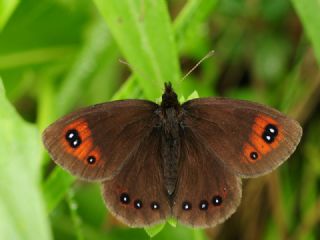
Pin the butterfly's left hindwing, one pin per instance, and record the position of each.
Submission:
(137, 196)
(94, 143)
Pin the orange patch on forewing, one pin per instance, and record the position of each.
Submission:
(81, 126)
(247, 150)
(257, 143)
(81, 152)
(256, 139)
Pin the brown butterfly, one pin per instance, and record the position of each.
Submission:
(171, 160)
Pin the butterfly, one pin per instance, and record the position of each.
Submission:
(175, 160)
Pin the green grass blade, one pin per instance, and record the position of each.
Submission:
(86, 63)
(143, 31)
(308, 12)
(194, 11)
(129, 89)
(56, 186)
(6, 10)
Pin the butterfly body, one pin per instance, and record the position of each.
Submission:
(172, 160)
(170, 122)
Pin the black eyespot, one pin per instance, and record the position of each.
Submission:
(267, 137)
(217, 200)
(91, 159)
(71, 134)
(186, 206)
(155, 206)
(254, 155)
(124, 198)
(203, 205)
(272, 129)
(138, 204)
(270, 132)
(73, 138)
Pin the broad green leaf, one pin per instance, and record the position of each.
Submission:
(143, 31)
(22, 211)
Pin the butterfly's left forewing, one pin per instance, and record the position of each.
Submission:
(95, 142)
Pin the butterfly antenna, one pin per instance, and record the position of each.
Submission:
(209, 54)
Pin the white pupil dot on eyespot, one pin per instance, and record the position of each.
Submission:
(71, 135)
(272, 130)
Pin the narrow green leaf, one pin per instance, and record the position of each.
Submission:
(97, 40)
(22, 211)
(308, 12)
(194, 11)
(73, 206)
(128, 89)
(143, 31)
(56, 186)
(7, 7)
(34, 56)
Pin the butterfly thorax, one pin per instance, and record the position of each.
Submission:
(170, 137)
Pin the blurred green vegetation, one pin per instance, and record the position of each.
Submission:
(58, 55)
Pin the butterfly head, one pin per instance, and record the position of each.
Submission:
(169, 97)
